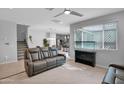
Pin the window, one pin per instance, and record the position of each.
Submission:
(102, 36)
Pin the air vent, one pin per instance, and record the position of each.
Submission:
(57, 21)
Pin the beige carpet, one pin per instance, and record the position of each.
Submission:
(11, 69)
(69, 73)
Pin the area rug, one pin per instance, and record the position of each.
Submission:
(69, 73)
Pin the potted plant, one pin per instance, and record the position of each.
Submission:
(45, 43)
(30, 37)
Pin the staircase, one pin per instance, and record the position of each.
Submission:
(21, 46)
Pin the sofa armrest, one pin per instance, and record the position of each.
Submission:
(29, 67)
(62, 55)
(117, 66)
(109, 77)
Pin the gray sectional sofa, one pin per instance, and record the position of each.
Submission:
(40, 59)
(114, 75)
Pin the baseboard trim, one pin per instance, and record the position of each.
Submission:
(101, 66)
(12, 75)
(13, 61)
(72, 59)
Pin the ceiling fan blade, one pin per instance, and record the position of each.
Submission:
(50, 9)
(58, 14)
(76, 13)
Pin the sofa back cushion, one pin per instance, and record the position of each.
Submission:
(53, 51)
(45, 52)
(34, 54)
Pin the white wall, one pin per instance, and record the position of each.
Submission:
(8, 53)
(104, 57)
(38, 34)
(21, 32)
(37, 38)
(51, 37)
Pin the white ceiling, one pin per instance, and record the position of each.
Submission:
(40, 17)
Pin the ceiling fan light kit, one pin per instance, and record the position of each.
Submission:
(67, 12)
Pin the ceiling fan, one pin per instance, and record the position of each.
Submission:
(69, 12)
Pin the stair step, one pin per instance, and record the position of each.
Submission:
(20, 52)
(21, 46)
(20, 58)
(21, 49)
(21, 42)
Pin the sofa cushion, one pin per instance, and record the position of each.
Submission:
(34, 54)
(42, 55)
(38, 65)
(53, 51)
(120, 72)
(114, 75)
(59, 58)
(119, 81)
(119, 76)
(51, 61)
(46, 52)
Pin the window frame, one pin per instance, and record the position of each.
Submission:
(103, 47)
